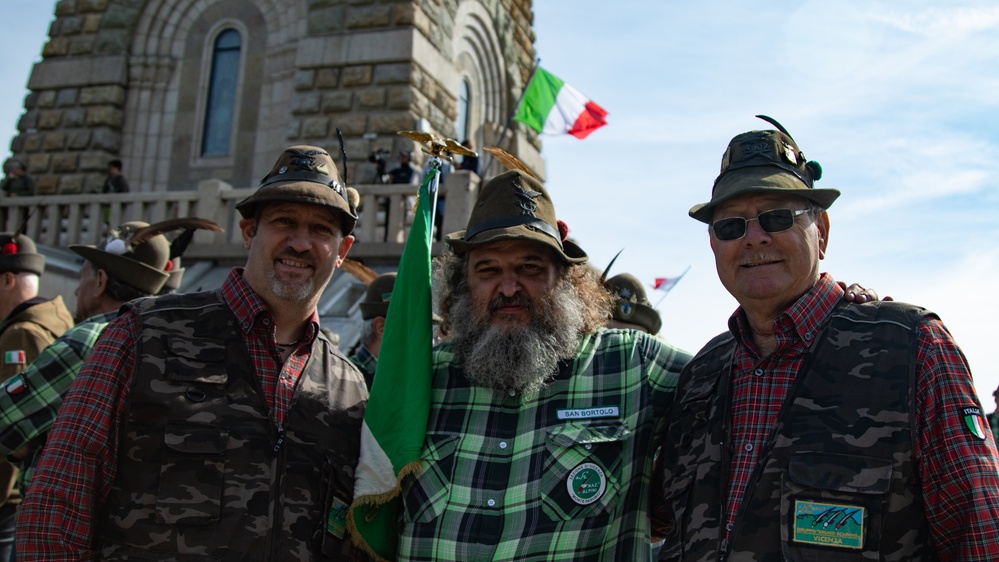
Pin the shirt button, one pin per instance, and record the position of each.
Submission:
(729, 527)
(749, 447)
(588, 447)
(808, 336)
(267, 321)
(512, 392)
(502, 444)
(491, 503)
(758, 372)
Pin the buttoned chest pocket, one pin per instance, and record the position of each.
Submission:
(831, 507)
(582, 469)
(429, 491)
(191, 476)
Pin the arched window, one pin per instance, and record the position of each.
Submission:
(461, 121)
(221, 94)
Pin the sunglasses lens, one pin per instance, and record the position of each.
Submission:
(730, 229)
(777, 220)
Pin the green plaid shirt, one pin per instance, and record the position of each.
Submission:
(562, 474)
(365, 362)
(30, 400)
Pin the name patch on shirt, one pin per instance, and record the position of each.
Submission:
(828, 524)
(589, 413)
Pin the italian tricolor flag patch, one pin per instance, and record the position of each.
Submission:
(975, 421)
(14, 357)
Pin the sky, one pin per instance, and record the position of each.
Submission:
(896, 100)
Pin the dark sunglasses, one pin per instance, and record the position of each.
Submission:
(777, 220)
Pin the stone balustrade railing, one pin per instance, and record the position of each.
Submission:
(383, 220)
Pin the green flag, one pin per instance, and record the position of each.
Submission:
(395, 420)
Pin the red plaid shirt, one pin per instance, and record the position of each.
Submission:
(59, 518)
(958, 471)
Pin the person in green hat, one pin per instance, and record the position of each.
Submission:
(632, 308)
(815, 428)
(16, 181)
(539, 439)
(28, 323)
(30, 400)
(219, 424)
(374, 308)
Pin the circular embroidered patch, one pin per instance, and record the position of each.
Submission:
(586, 483)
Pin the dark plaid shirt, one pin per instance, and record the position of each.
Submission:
(60, 516)
(30, 400)
(958, 471)
(561, 474)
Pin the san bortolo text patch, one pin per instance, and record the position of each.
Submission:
(827, 524)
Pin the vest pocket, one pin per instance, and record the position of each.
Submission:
(191, 476)
(429, 491)
(582, 469)
(831, 506)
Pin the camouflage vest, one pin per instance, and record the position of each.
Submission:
(203, 471)
(836, 479)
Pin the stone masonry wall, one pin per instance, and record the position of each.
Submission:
(73, 117)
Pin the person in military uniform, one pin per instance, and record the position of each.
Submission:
(29, 323)
(817, 429)
(631, 305)
(217, 425)
(374, 307)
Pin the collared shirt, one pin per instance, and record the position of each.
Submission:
(29, 401)
(75, 472)
(366, 362)
(962, 509)
(560, 474)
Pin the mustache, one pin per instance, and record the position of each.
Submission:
(520, 300)
(305, 256)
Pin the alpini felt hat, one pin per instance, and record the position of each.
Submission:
(140, 266)
(631, 304)
(765, 162)
(305, 174)
(377, 297)
(515, 206)
(137, 253)
(19, 255)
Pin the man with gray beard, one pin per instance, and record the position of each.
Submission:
(539, 438)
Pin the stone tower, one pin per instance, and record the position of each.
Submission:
(187, 90)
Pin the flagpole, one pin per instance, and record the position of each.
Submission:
(506, 127)
(674, 285)
(434, 167)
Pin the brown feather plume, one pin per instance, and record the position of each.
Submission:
(509, 160)
(143, 234)
(363, 273)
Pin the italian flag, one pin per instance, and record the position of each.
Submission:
(395, 420)
(553, 107)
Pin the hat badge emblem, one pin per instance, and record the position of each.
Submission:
(626, 308)
(305, 161)
(525, 199)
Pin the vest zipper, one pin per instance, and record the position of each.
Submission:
(276, 496)
(280, 438)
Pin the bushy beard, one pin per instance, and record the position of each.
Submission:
(508, 355)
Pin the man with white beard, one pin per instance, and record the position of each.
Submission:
(539, 439)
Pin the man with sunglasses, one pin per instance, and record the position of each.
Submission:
(817, 429)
